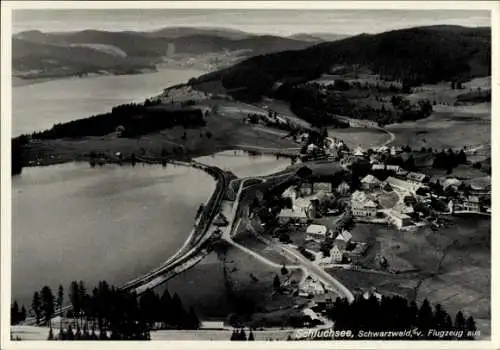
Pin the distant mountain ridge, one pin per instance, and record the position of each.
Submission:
(135, 50)
(318, 37)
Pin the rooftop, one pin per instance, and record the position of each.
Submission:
(416, 176)
(370, 179)
(344, 236)
(317, 229)
(290, 213)
(472, 199)
(399, 215)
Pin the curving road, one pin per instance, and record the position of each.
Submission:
(309, 266)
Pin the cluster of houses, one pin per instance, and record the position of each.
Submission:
(306, 199)
(364, 204)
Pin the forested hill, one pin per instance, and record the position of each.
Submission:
(415, 56)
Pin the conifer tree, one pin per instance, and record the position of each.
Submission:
(47, 299)
(51, 334)
(14, 313)
(276, 282)
(243, 335)
(251, 336)
(36, 306)
(425, 316)
(470, 327)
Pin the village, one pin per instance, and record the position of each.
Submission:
(383, 187)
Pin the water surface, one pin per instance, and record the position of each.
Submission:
(37, 107)
(72, 221)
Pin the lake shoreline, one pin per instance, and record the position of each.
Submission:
(18, 81)
(61, 100)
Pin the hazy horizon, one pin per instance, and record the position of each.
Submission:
(274, 22)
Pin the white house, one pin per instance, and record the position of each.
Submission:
(398, 219)
(451, 182)
(362, 206)
(286, 215)
(359, 152)
(370, 182)
(322, 186)
(471, 203)
(379, 167)
(416, 178)
(311, 148)
(336, 255)
(344, 236)
(402, 184)
(368, 208)
(394, 168)
(318, 230)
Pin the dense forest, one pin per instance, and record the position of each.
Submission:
(321, 107)
(413, 56)
(130, 120)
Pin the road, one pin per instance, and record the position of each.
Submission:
(310, 267)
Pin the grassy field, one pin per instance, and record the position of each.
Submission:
(454, 265)
(222, 285)
(226, 131)
(248, 240)
(360, 137)
(452, 127)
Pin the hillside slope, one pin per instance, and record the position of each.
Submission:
(48, 59)
(415, 56)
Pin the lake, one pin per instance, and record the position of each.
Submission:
(71, 221)
(39, 106)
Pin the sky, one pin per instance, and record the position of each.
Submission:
(276, 22)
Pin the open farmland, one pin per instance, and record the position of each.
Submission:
(221, 132)
(470, 126)
(360, 137)
(453, 263)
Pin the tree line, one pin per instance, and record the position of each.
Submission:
(109, 310)
(449, 160)
(131, 119)
(320, 108)
(395, 313)
(18, 145)
(17, 315)
(240, 334)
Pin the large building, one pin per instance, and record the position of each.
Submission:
(325, 187)
(336, 255)
(289, 215)
(370, 183)
(402, 184)
(471, 203)
(400, 220)
(317, 230)
(362, 206)
(417, 178)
